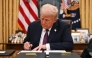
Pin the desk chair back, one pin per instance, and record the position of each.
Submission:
(69, 22)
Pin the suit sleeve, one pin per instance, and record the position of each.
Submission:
(27, 37)
(29, 31)
(66, 43)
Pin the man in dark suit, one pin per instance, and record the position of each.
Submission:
(59, 35)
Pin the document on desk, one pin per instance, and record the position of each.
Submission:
(55, 51)
(28, 51)
(46, 51)
(63, 52)
(2, 51)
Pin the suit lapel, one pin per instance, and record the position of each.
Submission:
(53, 31)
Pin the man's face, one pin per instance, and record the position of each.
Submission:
(47, 21)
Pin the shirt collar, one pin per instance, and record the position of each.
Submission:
(45, 29)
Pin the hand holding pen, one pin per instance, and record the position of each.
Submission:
(27, 45)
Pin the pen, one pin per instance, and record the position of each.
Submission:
(29, 45)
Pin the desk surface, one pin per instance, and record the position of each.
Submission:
(51, 55)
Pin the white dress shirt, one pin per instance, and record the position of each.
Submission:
(42, 37)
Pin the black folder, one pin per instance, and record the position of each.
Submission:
(7, 52)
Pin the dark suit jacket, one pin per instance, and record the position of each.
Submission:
(59, 40)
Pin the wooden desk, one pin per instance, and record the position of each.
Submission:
(11, 46)
(79, 52)
(77, 46)
(14, 46)
(80, 46)
(17, 51)
(51, 55)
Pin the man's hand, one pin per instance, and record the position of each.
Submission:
(27, 46)
(41, 47)
(68, 15)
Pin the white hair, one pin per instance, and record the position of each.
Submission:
(49, 9)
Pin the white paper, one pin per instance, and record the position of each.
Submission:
(47, 52)
(2, 51)
(54, 51)
(26, 51)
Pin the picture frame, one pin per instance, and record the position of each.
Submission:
(76, 37)
(89, 37)
(84, 32)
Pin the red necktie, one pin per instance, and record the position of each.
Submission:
(45, 37)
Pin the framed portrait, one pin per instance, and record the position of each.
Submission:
(76, 37)
(84, 32)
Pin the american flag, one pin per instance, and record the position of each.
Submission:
(68, 2)
(28, 12)
(64, 4)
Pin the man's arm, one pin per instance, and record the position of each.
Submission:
(66, 42)
(27, 44)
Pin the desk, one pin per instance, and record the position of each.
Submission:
(77, 46)
(51, 55)
(80, 46)
(14, 46)
(79, 52)
(17, 51)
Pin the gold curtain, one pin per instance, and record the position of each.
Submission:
(9, 14)
(1, 40)
(86, 14)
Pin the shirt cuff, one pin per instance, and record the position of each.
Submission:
(47, 46)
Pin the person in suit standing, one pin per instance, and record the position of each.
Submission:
(59, 35)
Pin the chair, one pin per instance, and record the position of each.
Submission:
(69, 22)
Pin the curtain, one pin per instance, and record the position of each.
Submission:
(1, 40)
(86, 14)
(8, 16)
